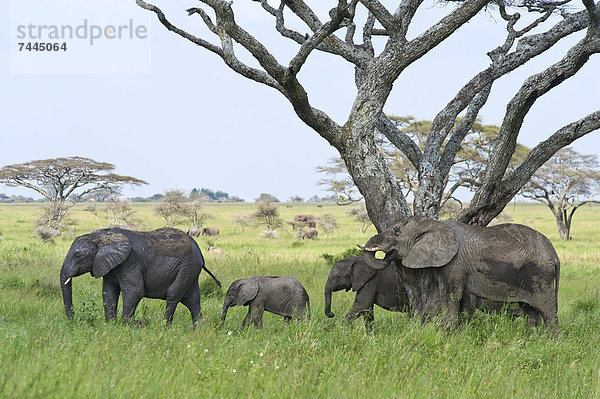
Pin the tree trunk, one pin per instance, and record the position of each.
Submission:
(564, 231)
(365, 163)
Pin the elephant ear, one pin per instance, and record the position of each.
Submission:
(361, 273)
(113, 249)
(248, 291)
(435, 245)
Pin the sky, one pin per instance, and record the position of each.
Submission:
(129, 92)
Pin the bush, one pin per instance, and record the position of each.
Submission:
(46, 234)
(331, 259)
(269, 234)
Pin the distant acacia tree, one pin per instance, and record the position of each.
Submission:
(268, 214)
(242, 221)
(338, 181)
(172, 207)
(564, 183)
(266, 197)
(195, 212)
(64, 182)
(328, 223)
(176, 207)
(118, 213)
(361, 215)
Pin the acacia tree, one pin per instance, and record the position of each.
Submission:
(65, 181)
(566, 182)
(376, 72)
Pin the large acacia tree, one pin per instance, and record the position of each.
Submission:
(377, 70)
(64, 181)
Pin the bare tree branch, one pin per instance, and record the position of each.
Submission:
(383, 16)
(546, 149)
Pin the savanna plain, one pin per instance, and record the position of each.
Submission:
(42, 354)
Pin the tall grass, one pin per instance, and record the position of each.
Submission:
(42, 354)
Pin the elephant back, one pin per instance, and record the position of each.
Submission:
(167, 242)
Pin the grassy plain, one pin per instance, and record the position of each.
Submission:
(42, 354)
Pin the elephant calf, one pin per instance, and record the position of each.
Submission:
(282, 295)
(372, 287)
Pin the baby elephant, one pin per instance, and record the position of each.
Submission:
(282, 295)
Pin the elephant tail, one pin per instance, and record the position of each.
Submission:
(557, 278)
(195, 245)
(212, 275)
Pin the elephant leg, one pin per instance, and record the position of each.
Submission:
(175, 294)
(110, 297)
(246, 319)
(369, 317)
(170, 311)
(256, 311)
(549, 316)
(287, 319)
(363, 303)
(192, 302)
(131, 299)
(449, 298)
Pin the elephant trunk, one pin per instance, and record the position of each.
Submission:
(66, 286)
(328, 290)
(224, 312)
(369, 251)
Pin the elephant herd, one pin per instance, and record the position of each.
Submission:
(427, 268)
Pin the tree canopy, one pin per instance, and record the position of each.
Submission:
(65, 179)
(373, 36)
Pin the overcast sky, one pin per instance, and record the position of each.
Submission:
(166, 111)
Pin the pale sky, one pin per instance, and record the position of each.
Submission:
(171, 113)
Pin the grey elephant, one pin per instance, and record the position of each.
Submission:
(210, 231)
(301, 221)
(162, 264)
(282, 295)
(441, 263)
(372, 287)
(193, 231)
(307, 234)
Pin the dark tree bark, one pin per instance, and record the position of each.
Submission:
(376, 74)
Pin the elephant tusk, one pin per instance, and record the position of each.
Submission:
(68, 280)
(371, 249)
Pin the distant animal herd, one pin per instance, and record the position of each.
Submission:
(427, 267)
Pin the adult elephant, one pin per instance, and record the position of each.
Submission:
(442, 262)
(210, 231)
(307, 234)
(193, 231)
(163, 264)
(301, 221)
(372, 287)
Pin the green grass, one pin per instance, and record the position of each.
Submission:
(42, 354)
